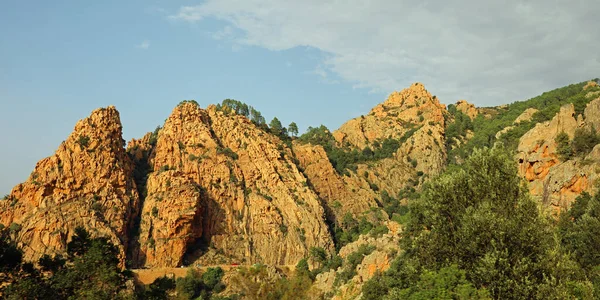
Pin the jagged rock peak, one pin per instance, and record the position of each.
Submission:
(467, 108)
(415, 100)
(87, 182)
(400, 112)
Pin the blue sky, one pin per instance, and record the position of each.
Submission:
(312, 62)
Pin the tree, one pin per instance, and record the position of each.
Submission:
(318, 254)
(293, 129)
(584, 141)
(10, 255)
(302, 267)
(480, 219)
(80, 242)
(256, 117)
(92, 272)
(579, 229)
(212, 277)
(447, 283)
(563, 147)
(276, 127)
(190, 286)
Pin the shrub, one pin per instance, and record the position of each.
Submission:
(188, 101)
(563, 147)
(14, 227)
(584, 141)
(83, 141)
(227, 152)
(212, 278)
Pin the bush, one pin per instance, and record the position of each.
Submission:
(188, 101)
(190, 286)
(352, 261)
(563, 147)
(83, 141)
(345, 158)
(584, 141)
(227, 152)
(212, 277)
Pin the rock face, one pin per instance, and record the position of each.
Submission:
(220, 182)
(467, 108)
(342, 194)
(590, 84)
(411, 116)
(526, 115)
(386, 248)
(398, 114)
(87, 182)
(552, 181)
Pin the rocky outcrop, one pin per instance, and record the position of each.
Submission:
(342, 194)
(526, 115)
(551, 180)
(401, 112)
(415, 118)
(87, 182)
(171, 219)
(590, 84)
(523, 117)
(386, 248)
(592, 114)
(467, 109)
(230, 186)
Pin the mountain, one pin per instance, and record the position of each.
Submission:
(217, 186)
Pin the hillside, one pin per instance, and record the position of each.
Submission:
(217, 186)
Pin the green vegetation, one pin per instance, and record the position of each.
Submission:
(456, 130)
(563, 146)
(349, 267)
(579, 232)
(193, 286)
(227, 152)
(276, 128)
(83, 141)
(475, 233)
(188, 101)
(584, 141)
(293, 129)
(344, 159)
(154, 136)
(485, 129)
(91, 271)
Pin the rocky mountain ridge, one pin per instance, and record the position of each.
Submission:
(211, 186)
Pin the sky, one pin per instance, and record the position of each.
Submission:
(312, 61)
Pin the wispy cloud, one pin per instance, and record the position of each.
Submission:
(485, 51)
(144, 45)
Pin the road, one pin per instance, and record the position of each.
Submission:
(147, 276)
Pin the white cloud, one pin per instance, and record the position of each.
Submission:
(489, 52)
(144, 45)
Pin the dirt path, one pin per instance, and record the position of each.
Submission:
(147, 276)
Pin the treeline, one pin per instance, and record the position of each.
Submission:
(485, 129)
(475, 233)
(91, 270)
(583, 142)
(275, 127)
(346, 158)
